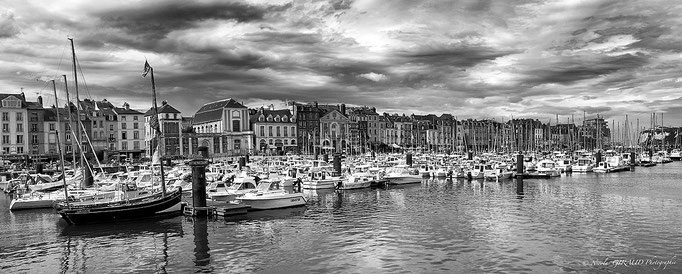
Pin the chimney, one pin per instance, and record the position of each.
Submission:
(40, 100)
(343, 109)
(126, 106)
(164, 102)
(272, 107)
(315, 104)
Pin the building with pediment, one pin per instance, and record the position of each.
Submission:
(224, 127)
(335, 128)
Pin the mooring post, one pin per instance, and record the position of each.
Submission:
(408, 159)
(337, 164)
(199, 185)
(633, 160)
(519, 174)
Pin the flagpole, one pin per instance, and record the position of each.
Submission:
(59, 147)
(157, 127)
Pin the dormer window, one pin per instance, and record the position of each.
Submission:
(293, 120)
(270, 118)
(277, 118)
(11, 102)
(261, 118)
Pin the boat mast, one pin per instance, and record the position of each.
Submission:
(156, 128)
(78, 113)
(68, 107)
(59, 146)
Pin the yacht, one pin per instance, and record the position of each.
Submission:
(584, 165)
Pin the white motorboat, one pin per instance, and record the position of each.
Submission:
(584, 165)
(233, 191)
(355, 182)
(402, 174)
(547, 167)
(676, 155)
(321, 179)
(269, 195)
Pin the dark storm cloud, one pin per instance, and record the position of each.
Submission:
(156, 20)
(457, 56)
(570, 70)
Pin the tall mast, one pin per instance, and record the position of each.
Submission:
(68, 107)
(78, 113)
(148, 68)
(59, 146)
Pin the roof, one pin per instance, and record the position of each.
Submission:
(164, 108)
(18, 96)
(213, 111)
(123, 111)
(274, 113)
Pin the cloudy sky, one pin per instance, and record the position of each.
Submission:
(473, 59)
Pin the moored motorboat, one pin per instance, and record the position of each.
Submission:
(270, 195)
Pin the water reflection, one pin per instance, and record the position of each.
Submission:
(202, 257)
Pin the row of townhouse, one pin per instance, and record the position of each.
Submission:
(228, 128)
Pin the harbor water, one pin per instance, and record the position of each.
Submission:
(596, 223)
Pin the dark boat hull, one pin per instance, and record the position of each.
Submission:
(116, 211)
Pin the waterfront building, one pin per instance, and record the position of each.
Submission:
(275, 131)
(170, 124)
(334, 128)
(307, 126)
(224, 127)
(131, 132)
(14, 110)
(35, 130)
(364, 128)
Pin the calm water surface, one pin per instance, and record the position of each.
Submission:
(577, 223)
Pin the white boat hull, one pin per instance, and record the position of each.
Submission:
(410, 179)
(321, 184)
(358, 185)
(264, 202)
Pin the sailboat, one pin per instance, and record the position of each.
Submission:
(132, 202)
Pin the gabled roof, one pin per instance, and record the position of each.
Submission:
(213, 111)
(331, 111)
(164, 108)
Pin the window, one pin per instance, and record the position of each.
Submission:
(34, 127)
(167, 116)
(235, 125)
(278, 132)
(111, 137)
(51, 126)
(124, 135)
(293, 130)
(68, 148)
(136, 126)
(5, 116)
(286, 142)
(124, 145)
(5, 150)
(124, 126)
(5, 139)
(5, 127)
(175, 116)
(135, 118)
(20, 139)
(262, 130)
(286, 131)
(111, 127)
(20, 116)
(34, 139)
(270, 131)
(237, 144)
(101, 124)
(20, 150)
(136, 145)
(20, 127)
(123, 117)
(136, 135)
(68, 137)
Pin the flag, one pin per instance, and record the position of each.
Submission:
(154, 123)
(147, 68)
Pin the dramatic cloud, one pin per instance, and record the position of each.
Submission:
(470, 58)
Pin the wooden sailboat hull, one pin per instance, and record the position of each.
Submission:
(145, 207)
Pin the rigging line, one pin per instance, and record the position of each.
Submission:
(80, 69)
